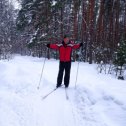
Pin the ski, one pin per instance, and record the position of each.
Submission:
(66, 93)
(67, 97)
(49, 93)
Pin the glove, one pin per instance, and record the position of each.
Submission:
(81, 44)
(48, 45)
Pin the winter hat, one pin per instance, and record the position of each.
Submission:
(66, 36)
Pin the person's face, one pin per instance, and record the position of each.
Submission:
(66, 40)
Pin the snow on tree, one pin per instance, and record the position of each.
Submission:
(7, 28)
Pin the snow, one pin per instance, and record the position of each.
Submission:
(16, 4)
(98, 100)
(54, 3)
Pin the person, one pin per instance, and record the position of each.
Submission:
(65, 50)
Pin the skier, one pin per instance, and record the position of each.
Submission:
(65, 50)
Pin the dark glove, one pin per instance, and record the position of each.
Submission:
(48, 45)
(81, 44)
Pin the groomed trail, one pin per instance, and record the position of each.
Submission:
(98, 100)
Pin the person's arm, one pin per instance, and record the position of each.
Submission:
(53, 46)
(77, 46)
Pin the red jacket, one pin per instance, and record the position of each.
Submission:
(65, 50)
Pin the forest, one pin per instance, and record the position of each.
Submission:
(99, 24)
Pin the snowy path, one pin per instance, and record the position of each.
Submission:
(59, 111)
(99, 100)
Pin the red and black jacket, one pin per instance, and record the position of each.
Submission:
(65, 50)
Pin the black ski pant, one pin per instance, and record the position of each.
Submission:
(64, 66)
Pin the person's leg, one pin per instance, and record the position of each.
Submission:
(67, 73)
(60, 74)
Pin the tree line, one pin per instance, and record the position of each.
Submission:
(99, 24)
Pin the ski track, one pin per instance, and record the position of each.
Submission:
(60, 109)
(85, 110)
(86, 105)
(24, 103)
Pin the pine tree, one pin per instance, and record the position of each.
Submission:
(120, 59)
(121, 54)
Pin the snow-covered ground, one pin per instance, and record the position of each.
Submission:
(98, 100)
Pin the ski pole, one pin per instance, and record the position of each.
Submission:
(77, 74)
(41, 73)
